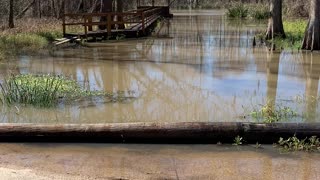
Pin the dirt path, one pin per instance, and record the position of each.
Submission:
(112, 161)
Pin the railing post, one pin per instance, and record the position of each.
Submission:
(85, 27)
(109, 19)
(143, 23)
(64, 25)
(90, 21)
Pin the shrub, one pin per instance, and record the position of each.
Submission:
(237, 10)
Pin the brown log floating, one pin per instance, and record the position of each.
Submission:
(194, 132)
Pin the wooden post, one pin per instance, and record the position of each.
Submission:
(143, 23)
(64, 25)
(109, 25)
(90, 21)
(152, 3)
(85, 27)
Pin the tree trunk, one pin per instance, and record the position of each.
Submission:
(275, 26)
(311, 39)
(11, 20)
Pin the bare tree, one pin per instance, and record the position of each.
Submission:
(275, 26)
(312, 38)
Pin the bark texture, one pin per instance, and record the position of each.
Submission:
(275, 26)
(312, 38)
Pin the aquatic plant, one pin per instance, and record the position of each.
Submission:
(238, 10)
(296, 144)
(43, 91)
(48, 91)
(237, 141)
(270, 114)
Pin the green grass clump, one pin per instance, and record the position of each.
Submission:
(49, 91)
(295, 144)
(271, 114)
(43, 91)
(22, 43)
(238, 10)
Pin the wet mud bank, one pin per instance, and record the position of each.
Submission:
(163, 133)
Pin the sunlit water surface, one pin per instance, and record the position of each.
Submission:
(197, 67)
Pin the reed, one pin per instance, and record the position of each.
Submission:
(49, 90)
(36, 90)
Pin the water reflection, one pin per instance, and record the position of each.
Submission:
(195, 68)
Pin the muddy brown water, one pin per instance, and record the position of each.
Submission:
(197, 67)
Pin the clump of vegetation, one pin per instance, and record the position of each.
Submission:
(271, 114)
(259, 11)
(21, 43)
(241, 10)
(237, 141)
(238, 10)
(295, 144)
(294, 35)
(46, 91)
(295, 32)
(43, 91)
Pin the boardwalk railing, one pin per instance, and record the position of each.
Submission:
(136, 20)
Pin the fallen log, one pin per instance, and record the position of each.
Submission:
(156, 132)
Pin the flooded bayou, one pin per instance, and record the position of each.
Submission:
(197, 67)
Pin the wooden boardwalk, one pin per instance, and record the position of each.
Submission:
(133, 23)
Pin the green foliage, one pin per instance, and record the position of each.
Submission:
(38, 90)
(22, 43)
(47, 91)
(238, 10)
(295, 31)
(237, 141)
(43, 91)
(295, 144)
(271, 114)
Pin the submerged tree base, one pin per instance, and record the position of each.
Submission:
(48, 91)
